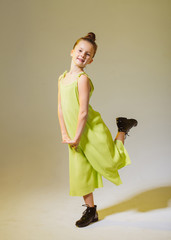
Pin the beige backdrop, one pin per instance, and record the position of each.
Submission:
(131, 74)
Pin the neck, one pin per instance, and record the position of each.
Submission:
(75, 69)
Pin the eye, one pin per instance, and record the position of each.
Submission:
(79, 50)
(88, 54)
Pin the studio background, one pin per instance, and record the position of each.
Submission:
(131, 74)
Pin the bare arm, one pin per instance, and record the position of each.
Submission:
(60, 115)
(84, 90)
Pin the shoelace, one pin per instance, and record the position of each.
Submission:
(85, 205)
(126, 134)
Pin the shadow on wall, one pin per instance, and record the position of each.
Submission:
(143, 202)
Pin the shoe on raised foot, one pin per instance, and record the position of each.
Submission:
(89, 215)
(124, 124)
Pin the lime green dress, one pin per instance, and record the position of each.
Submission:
(97, 154)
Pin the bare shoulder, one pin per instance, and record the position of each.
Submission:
(59, 78)
(84, 81)
(84, 78)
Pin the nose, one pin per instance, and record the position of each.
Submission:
(82, 54)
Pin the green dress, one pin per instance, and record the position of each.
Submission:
(97, 154)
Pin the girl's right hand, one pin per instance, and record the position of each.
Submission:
(68, 140)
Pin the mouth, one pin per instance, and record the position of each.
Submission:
(81, 60)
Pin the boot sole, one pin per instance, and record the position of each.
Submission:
(136, 122)
(84, 225)
(95, 220)
(123, 118)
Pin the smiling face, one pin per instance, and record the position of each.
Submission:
(82, 54)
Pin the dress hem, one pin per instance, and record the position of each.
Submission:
(84, 193)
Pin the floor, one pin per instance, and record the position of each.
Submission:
(49, 215)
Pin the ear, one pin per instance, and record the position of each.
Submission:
(91, 61)
(71, 52)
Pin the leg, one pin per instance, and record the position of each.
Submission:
(120, 136)
(89, 199)
(90, 214)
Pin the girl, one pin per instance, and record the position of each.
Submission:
(92, 151)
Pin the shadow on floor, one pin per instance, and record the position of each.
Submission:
(146, 201)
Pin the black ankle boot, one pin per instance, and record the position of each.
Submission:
(88, 216)
(124, 124)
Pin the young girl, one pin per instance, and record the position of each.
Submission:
(92, 151)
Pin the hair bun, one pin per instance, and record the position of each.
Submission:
(91, 36)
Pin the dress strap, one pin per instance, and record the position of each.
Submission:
(82, 74)
(62, 75)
